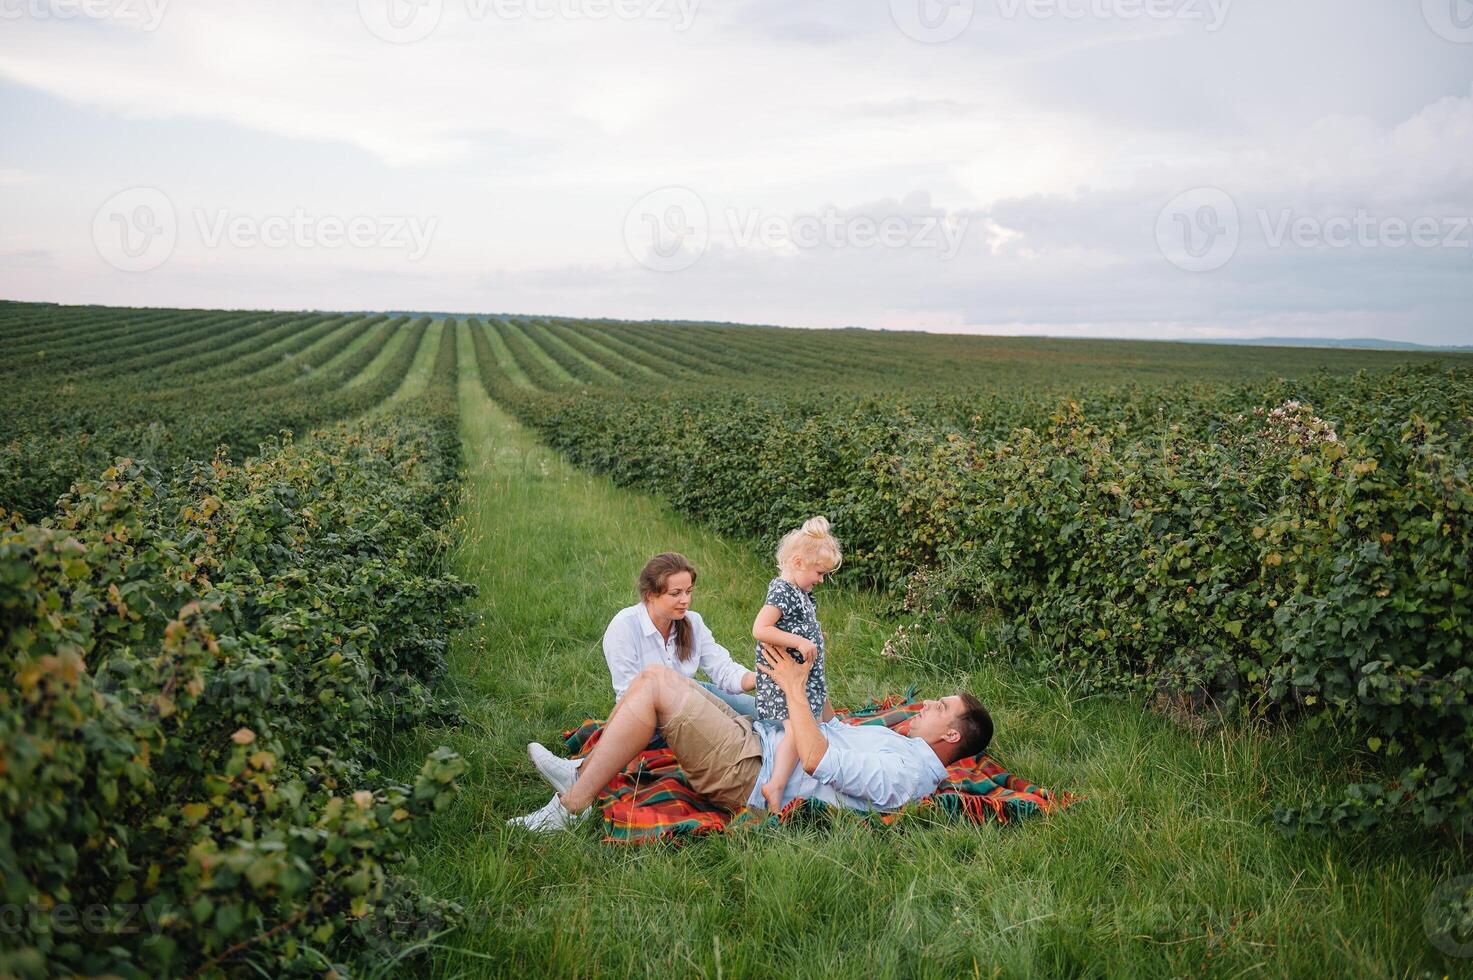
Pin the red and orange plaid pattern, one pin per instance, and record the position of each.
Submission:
(651, 800)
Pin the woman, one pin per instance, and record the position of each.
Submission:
(662, 630)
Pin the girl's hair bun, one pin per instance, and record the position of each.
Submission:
(812, 542)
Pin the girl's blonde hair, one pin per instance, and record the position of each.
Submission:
(813, 543)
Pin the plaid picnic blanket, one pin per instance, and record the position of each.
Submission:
(651, 800)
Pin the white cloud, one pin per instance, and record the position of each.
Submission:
(529, 140)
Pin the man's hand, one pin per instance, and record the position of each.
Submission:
(792, 678)
(787, 673)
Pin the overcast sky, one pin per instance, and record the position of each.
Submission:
(1147, 168)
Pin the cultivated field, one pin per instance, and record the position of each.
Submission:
(266, 707)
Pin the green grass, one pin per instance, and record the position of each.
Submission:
(389, 352)
(418, 377)
(1170, 867)
(342, 356)
(503, 355)
(519, 327)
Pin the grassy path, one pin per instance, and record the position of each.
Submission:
(1168, 869)
(503, 355)
(418, 377)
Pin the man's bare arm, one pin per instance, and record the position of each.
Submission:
(792, 677)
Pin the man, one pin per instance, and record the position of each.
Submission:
(725, 759)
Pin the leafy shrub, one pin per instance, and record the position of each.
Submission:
(198, 670)
(59, 427)
(1294, 548)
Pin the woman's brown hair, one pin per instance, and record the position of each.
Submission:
(652, 581)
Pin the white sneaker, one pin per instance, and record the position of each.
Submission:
(559, 773)
(553, 816)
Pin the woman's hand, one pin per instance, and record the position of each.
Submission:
(808, 648)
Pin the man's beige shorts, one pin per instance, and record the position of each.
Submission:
(717, 747)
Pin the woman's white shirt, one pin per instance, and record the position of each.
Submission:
(632, 643)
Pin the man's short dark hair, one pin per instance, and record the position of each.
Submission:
(975, 726)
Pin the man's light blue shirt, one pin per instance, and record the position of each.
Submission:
(866, 767)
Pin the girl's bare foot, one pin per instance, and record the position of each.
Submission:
(773, 794)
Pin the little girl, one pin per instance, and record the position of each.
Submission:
(789, 618)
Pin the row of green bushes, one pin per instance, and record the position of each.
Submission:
(40, 325)
(199, 670)
(1292, 548)
(60, 429)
